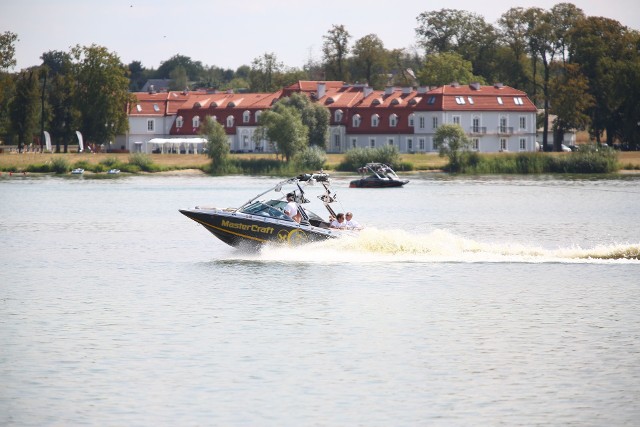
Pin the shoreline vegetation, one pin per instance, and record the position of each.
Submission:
(269, 164)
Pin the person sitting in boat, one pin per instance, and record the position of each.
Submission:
(291, 209)
(352, 224)
(339, 222)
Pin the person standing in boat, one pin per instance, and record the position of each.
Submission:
(291, 209)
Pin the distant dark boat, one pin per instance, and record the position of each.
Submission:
(260, 221)
(379, 176)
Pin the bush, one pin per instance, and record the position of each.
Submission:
(59, 165)
(358, 157)
(144, 162)
(312, 158)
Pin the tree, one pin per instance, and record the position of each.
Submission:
(217, 143)
(335, 49)
(179, 79)
(443, 68)
(102, 93)
(370, 60)
(138, 76)
(569, 101)
(24, 107)
(453, 143)
(315, 117)
(7, 50)
(283, 126)
(64, 116)
(262, 77)
(194, 69)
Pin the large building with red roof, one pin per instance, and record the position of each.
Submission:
(496, 118)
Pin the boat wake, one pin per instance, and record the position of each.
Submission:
(374, 245)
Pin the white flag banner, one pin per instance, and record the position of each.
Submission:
(80, 143)
(47, 140)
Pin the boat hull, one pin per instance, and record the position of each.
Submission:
(377, 183)
(252, 232)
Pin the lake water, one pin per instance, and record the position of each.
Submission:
(502, 301)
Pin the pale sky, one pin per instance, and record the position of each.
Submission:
(232, 33)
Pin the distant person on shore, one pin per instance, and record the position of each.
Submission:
(339, 222)
(291, 209)
(352, 224)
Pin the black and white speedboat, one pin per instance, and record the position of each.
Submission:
(262, 220)
(377, 175)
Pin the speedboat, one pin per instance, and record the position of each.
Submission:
(77, 171)
(262, 219)
(380, 176)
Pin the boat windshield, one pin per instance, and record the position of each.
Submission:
(263, 209)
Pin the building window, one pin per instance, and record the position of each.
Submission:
(456, 120)
(499, 100)
(336, 139)
(393, 120)
(434, 122)
(196, 121)
(150, 125)
(475, 144)
(337, 116)
(356, 121)
(518, 101)
(503, 125)
(476, 125)
(229, 121)
(412, 119)
(156, 108)
(390, 141)
(523, 122)
(179, 122)
(460, 100)
(431, 100)
(503, 144)
(421, 122)
(372, 143)
(410, 144)
(523, 144)
(246, 116)
(354, 142)
(257, 115)
(421, 144)
(375, 119)
(245, 141)
(470, 100)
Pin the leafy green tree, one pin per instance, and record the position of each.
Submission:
(7, 50)
(24, 108)
(283, 126)
(315, 117)
(335, 49)
(64, 116)
(370, 60)
(138, 76)
(453, 143)
(194, 69)
(513, 29)
(217, 143)
(264, 69)
(443, 68)
(569, 101)
(179, 79)
(102, 93)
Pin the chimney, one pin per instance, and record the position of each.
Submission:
(475, 86)
(498, 85)
(406, 90)
(422, 89)
(368, 90)
(388, 90)
(322, 89)
(455, 84)
(152, 89)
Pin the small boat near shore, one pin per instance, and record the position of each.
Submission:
(380, 175)
(262, 220)
(113, 171)
(77, 171)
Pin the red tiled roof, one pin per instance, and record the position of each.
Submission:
(482, 98)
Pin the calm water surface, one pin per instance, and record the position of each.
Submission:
(478, 301)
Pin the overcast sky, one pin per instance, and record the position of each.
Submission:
(232, 33)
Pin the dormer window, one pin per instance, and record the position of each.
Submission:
(412, 119)
(337, 116)
(246, 116)
(431, 100)
(179, 122)
(356, 121)
(395, 101)
(197, 105)
(196, 121)
(375, 119)
(393, 120)
(229, 121)
(376, 101)
(257, 115)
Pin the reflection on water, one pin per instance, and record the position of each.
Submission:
(481, 301)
